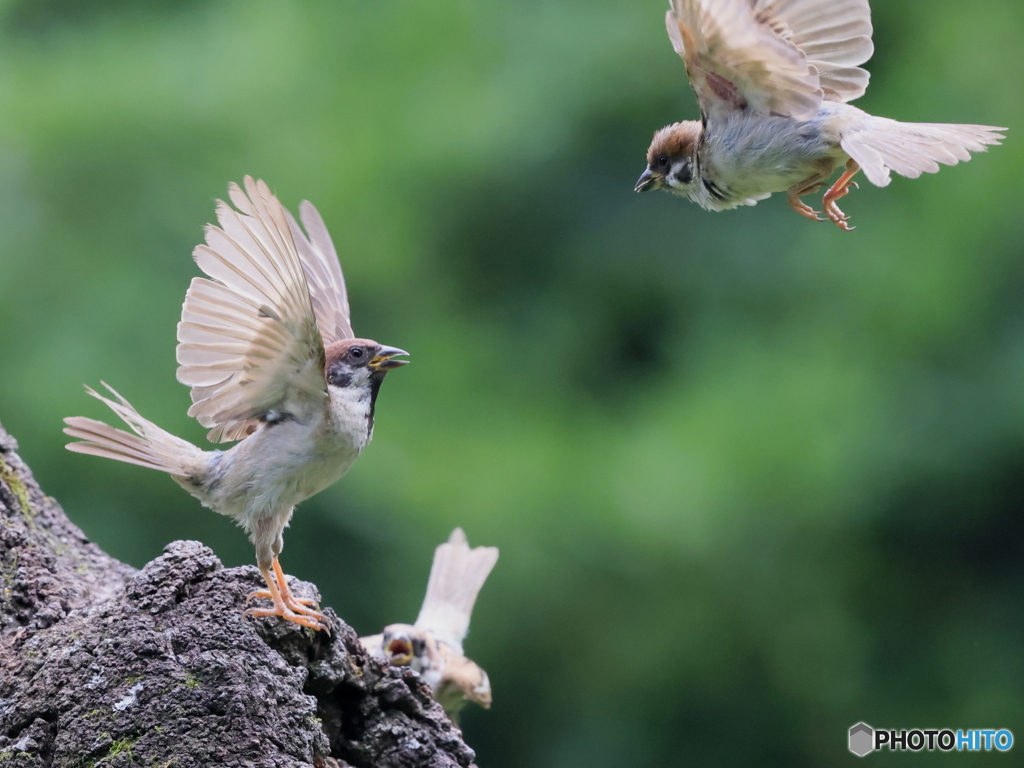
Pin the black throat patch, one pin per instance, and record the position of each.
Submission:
(376, 379)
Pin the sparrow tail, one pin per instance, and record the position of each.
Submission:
(150, 446)
(456, 577)
(910, 149)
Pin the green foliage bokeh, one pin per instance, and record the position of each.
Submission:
(753, 479)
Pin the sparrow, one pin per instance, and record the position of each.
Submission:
(433, 645)
(267, 347)
(773, 78)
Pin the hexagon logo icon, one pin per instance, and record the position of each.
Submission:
(862, 738)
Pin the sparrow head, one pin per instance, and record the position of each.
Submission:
(402, 645)
(360, 363)
(670, 159)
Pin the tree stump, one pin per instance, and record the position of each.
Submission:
(103, 665)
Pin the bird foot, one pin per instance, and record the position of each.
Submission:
(311, 619)
(804, 209)
(286, 605)
(840, 189)
(264, 594)
(835, 215)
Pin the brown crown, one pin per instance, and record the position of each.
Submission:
(337, 350)
(674, 140)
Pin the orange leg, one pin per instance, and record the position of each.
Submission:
(286, 605)
(838, 190)
(797, 191)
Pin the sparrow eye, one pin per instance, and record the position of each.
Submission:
(417, 646)
(356, 354)
(662, 160)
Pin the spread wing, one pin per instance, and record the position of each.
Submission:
(737, 61)
(323, 275)
(468, 678)
(771, 56)
(834, 35)
(249, 346)
(456, 577)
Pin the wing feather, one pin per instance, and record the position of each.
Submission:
(834, 35)
(456, 577)
(772, 56)
(737, 61)
(248, 337)
(323, 275)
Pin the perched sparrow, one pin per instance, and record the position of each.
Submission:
(267, 347)
(433, 645)
(772, 79)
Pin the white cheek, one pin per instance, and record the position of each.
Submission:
(678, 187)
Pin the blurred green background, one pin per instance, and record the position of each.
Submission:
(753, 479)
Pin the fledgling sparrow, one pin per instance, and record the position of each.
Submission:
(433, 645)
(267, 347)
(772, 79)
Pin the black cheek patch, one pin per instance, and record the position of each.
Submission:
(684, 175)
(339, 378)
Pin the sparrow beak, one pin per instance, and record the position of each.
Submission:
(383, 362)
(648, 180)
(399, 652)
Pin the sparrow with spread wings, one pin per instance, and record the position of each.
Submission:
(433, 645)
(267, 347)
(773, 78)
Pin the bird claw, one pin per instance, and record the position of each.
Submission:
(264, 594)
(315, 621)
(805, 210)
(286, 605)
(840, 189)
(836, 216)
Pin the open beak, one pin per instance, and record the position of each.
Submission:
(399, 652)
(648, 180)
(383, 360)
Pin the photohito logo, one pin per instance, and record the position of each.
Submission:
(865, 739)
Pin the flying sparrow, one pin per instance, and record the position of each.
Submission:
(772, 79)
(267, 347)
(433, 645)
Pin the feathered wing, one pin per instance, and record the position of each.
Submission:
(323, 275)
(881, 145)
(150, 446)
(462, 678)
(834, 36)
(737, 60)
(249, 343)
(456, 577)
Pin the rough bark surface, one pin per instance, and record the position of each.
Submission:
(102, 665)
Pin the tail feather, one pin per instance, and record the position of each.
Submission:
(150, 446)
(456, 577)
(910, 149)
